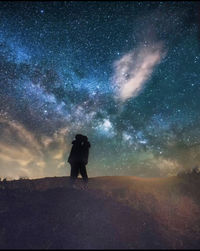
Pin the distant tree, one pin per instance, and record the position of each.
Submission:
(193, 172)
(23, 178)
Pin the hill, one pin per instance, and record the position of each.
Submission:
(112, 212)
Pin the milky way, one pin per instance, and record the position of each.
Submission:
(126, 74)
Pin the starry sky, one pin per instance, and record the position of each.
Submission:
(124, 73)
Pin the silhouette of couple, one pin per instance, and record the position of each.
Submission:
(78, 157)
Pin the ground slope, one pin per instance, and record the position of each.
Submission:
(112, 212)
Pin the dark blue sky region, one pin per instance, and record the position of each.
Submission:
(125, 73)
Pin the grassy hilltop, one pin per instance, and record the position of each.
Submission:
(112, 212)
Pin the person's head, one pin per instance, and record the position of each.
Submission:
(85, 138)
(79, 137)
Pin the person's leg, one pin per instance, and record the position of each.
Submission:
(74, 171)
(74, 174)
(77, 169)
(83, 172)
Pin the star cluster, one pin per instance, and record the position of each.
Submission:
(126, 74)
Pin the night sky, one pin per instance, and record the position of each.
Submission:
(126, 74)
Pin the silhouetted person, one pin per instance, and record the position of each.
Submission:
(85, 155)
(78, 157)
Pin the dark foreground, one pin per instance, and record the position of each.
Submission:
(113, 213)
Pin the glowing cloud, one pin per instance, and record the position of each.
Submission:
(135, 68)
(22, 153)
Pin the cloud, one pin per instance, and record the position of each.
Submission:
(133, 69)
(23, 153)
